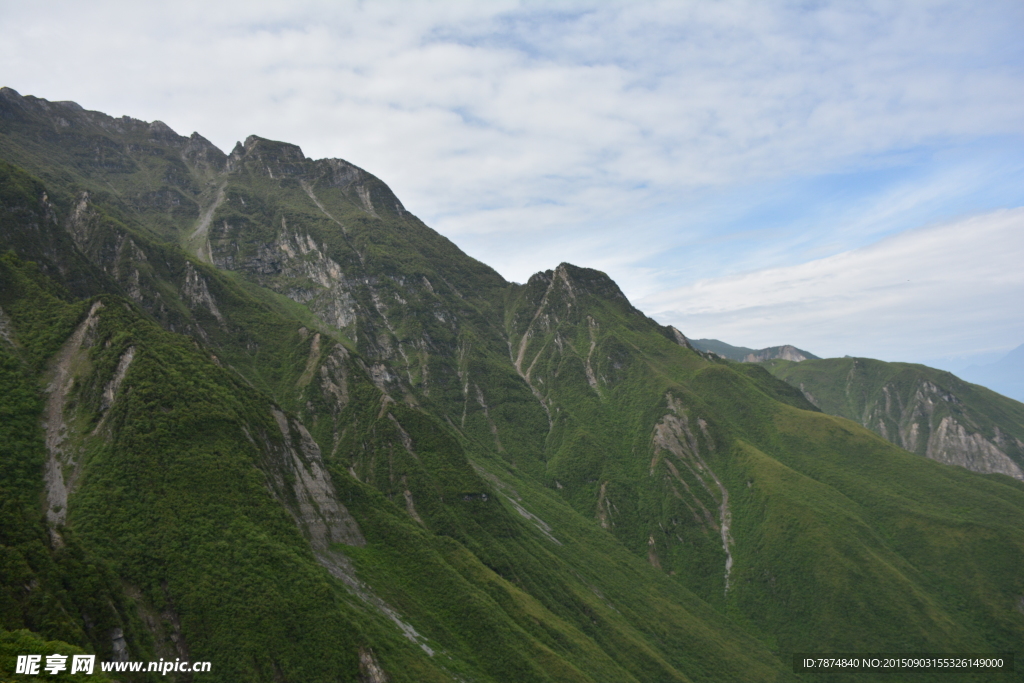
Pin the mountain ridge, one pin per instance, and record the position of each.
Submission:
(926, 411)
(370, 445)
(747, 355)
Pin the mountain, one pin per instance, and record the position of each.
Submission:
(745, 355)
(256, 413)
(926, 411)
(1006, 375)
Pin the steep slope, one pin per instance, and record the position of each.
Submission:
(926, 411)
(324, 234)
(380, 548)
(736, 486)
(745, 355)
(368, 444)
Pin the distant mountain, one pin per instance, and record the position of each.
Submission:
(1005, 375)
(745, 355)
(926, 411)
(254, 412)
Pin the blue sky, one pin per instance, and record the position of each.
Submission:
(844, 177)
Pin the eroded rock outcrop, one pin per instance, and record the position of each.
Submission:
(690, 478)
(303, 485)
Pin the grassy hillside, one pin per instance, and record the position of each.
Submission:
(382, 544)
(260, 414)
(743, 354)
(926, 411)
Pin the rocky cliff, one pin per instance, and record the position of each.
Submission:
(926, 411)
(257, 413)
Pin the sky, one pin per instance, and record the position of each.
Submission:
(846, 177)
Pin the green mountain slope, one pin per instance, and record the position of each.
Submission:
(746, 355)
(291, 430)
(173, 446)
(926, 411)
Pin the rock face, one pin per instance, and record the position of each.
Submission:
(283, 422)
(678, 450)
(305, 488)
(926, 411)
(786, 352)
(747, 355)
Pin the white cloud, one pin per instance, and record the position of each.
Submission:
(662, 94)
(950, 289)
(604, 133)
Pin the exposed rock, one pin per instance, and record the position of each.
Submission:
(680, 337)
(340, 567)
(203, 154)
(268, 157)
(197, 293)
(926, 411)
(110, 391)
(786, 352)
(334, 377)
(952, 444)
(291, 258)
(604, 507)
(515, 500)
(652, 553)
(6, 329)
(308, 493)
(65, 366)
(487, 416)
(200, 237)
(119, 646)
(410, 504)
(592, 328)
(311, 362)
(672, 434)
(919, 426)
(369, 669)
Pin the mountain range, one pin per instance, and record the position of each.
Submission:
(256, 413)
(746, 355)
(926, 411)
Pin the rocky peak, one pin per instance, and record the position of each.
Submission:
(158, 130)
(785, 352)
(340, 173)
(268, 157)
(678, 337)
(589, 280)
(201, 152)
(68, 104)
(11, 102)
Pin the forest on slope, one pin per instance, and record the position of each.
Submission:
(256, 413)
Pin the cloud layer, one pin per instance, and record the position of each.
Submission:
(950, 289)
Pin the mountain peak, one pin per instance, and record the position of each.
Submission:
(679, 337)
(356, 377)
(160, 131)
(590, 280)
(269, 157)
(784, 352)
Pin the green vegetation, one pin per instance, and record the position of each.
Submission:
(309, 439)
(927, 411)
(25, 642)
